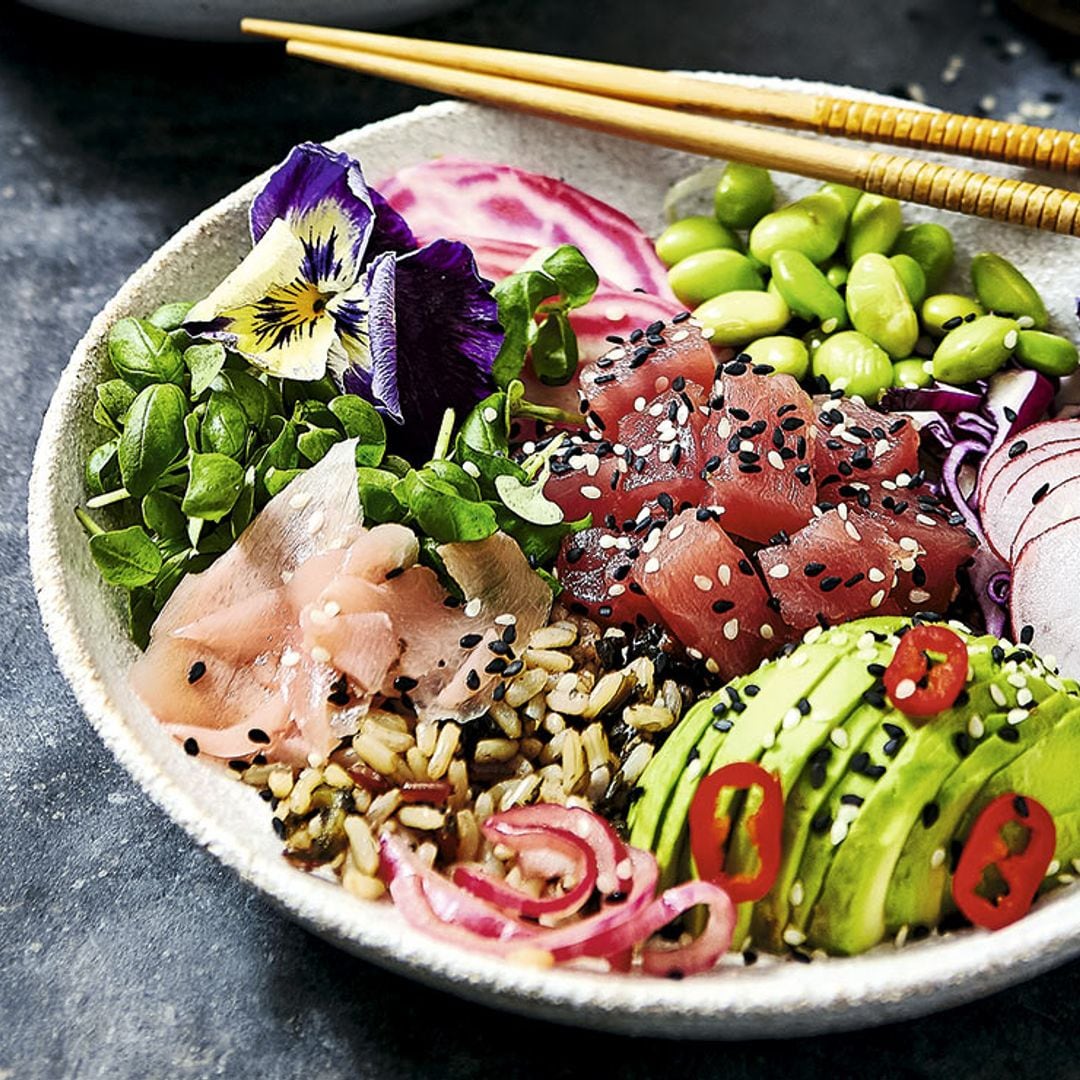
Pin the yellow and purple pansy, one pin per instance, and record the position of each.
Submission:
(335, 282)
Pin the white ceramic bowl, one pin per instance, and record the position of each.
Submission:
(219, 20)
(81, 617)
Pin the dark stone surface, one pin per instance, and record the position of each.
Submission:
(125, 950)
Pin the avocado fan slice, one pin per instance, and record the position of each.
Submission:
(919, 881)
(751, 731)
(802, 736)
(849, 915)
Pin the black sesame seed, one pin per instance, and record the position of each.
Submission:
(1009, 734)
(803, 705)
(874, 698)
(812, 569)
(1017, 448)
(472, 680)
(739, 414)
(1020, 805)
(953, 323)
(854, 580)
(746, 568)
(1040, 494)
(817, 775)
(279, 827)
(860, 761)
(722, 724)
(257, 735)
(751, 690)
(874, 772)
(829, 583)
(191, 747)
(892, 747)
(403, 684)
(962, 742)
(997, 654)
(515, 667)
(821, 822)
(930, 813)
(636, 336)
(196, 671)
(681, 317)
(721, 607)
(852, 800)
(1010, 414)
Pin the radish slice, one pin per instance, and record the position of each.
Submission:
(1008, 497)
(1043, 597)
(1010, 451)
(1060, 503)
(461, 199)
(703, 952)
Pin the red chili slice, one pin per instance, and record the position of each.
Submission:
(1021, 871)
(709, 833)
(920, 684)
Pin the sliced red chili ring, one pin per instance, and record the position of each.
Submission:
(1021, 872)
(709, 832)
(928, 671)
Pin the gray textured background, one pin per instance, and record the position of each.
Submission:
(124, 950)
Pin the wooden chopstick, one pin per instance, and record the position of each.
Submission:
(978, 137)
(932, 184)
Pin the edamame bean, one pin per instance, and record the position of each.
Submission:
(875, 224)
(879, 306)
(911, 276)
(814, 339)
(851, 362)
(744, 195)
(943, 312)
(975, 350)
(849, 196)
(813, 225)
(931, 246)
(1001, 288)
(1049, 353)
(836, 275)
(911, 374)
(709, 273)
(737, 318)
(693, 234)
(806, 290)
(785, 355)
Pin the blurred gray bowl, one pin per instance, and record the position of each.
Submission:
(219, 20)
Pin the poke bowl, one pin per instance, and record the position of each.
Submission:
(808, 985)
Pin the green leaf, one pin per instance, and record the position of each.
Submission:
(314, 443)
(244, 510)
(141, 612)
(454, 475)
(376, 488)
(397, 465)
(191, 427)
(153, 436)
(283, 453)
(555, 351)
(293, 391)
(441, 511)
(361, 421)
(574, 275)
(255, 397)
(276, 480)
(142, 354)
(170, 317)
(224, 426)
(213, 486)
(162, 516)
(115, 397)
(126, 557)
(204, 362)
(518, 297)
(102, 469)
(528, 501)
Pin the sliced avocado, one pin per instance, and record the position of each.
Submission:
(788, 680)
(849, 914)
(919, 881)
(803, 734)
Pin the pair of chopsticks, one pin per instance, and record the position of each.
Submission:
(667, 109)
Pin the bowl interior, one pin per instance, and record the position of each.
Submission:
(84, 622)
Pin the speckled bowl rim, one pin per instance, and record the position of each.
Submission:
(770, 1000)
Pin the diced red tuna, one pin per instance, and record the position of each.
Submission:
(758, 453)
(708, 593)
(860, 443)
(839, 567)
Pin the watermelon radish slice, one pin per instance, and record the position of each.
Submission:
(860, 443)
(758, 450)
(839, 567)
(459, 199)
(1049, 431)
(1061, 502)
(1015, 489)
(1044, 608)
(596, 568)
(708, 593)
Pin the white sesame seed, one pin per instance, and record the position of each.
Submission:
(997, 695)
(1024, 697)
(656, 410)
(694, 654)
(877, 599)
(938, 858)
(794, 937)
(1053, 868)
(723, 574)
(471, 468)
(904, 689)
(652, 565)
(918, 596)
(646, 450)
(779, 571)
(766, 631)
(849, 528)
(908, 543)
(639, 404)
(290, 658)
(723, 429)
(506, 619)
(875, 575)
(702, 582)
(842, 512)
(682, 415)
(1016, 716)
(901, 936)
(332, 608)
(1017, 679)
(796, 896)
(731, 629)
(315, 522)
(320, 654)
(976, 727)
(838, 831)
(677, 531)
(768, 739)
(679, 335)
(839, 738)
(791, 719)
(590, 491)
(812, 634)
(616, 590)
(929, 522)
(299, 500)
(472, 608)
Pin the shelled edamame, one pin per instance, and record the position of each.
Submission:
(834, 286)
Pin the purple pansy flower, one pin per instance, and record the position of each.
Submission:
(335, 282)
